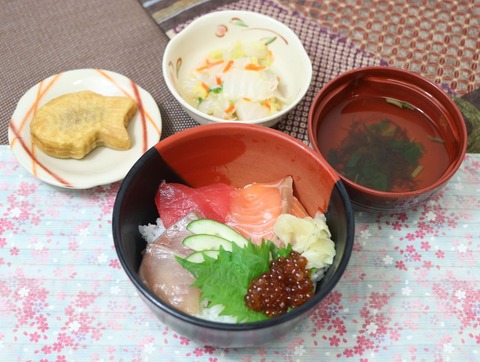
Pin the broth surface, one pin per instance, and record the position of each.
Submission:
(383, 143)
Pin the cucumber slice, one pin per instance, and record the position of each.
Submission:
(198, 256)
(212, 227)
(200, 242)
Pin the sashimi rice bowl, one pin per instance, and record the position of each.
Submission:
(232, 233)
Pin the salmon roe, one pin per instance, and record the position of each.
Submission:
(285, 286)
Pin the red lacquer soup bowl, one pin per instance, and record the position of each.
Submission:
(235, 154)
(394, 138)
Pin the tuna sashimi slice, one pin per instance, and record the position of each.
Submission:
(162, 273)
(256, 207)
(174, 200)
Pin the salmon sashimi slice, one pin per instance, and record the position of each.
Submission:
(162, 273)
(298, 209)
(256, 207)
(174, 200)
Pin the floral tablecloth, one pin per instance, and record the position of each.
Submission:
(410, 292)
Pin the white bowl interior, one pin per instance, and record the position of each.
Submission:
(190, 47)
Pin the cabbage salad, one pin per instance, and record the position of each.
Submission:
(236, 83)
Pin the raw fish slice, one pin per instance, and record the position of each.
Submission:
(219, 197)
(256, 207)
(161, 272)
(165, 277)
(175, 200)
(251, 211)
(174, 235)
(298, 209)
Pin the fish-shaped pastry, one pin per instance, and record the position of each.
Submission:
(72, 125)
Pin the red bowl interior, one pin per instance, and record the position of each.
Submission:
(240, 154)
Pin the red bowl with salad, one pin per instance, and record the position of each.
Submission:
(208, 219)
(394, 138)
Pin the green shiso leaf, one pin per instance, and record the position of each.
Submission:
(280, 252)
(225, 280)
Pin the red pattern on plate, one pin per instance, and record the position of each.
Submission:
(30, 150)
(105, 165)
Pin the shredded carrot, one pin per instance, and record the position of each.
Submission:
(228, 66)
(267, 104)
(216, 62)
(205, 86)
(271, 57)
(252, 66)
(247, 99)
(209, 64)
(218, 80)
(230, 108)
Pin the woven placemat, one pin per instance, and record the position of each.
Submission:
(42, 38)
(439, 40)
(168, 14)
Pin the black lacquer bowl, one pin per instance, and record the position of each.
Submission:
(236, 154)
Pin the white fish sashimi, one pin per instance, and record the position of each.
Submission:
(162, 273)
(251, 84)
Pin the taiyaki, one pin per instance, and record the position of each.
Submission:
(72, 125)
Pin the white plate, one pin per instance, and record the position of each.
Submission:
(103, 165)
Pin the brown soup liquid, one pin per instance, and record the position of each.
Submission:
(383, 143)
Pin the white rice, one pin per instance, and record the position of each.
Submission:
(151, 232)
(318, 274)
(213, 314)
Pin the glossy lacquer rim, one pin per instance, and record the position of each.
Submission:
(155, 153)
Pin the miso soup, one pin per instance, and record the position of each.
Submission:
(383, 143)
